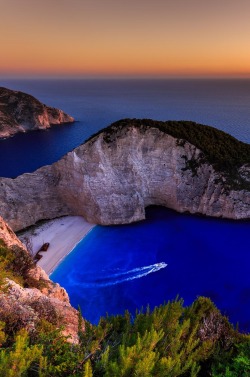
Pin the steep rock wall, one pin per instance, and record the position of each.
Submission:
(110, 180)
(31, 197)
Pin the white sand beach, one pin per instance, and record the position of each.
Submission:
(62, 234)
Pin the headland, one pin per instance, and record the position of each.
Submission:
(135, 163)
(21, 112)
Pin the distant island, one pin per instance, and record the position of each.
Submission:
(134, 163)
(21, 112)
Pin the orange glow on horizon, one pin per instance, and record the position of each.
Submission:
(136, 38)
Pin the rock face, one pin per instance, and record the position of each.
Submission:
(20, 112)
(112, 178)
(28, 305)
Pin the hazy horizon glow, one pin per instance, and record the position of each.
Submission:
(88, 38)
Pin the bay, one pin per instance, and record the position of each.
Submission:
(168, 254)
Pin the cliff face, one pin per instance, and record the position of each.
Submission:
(112, 178)
(34, 194)
(20, 112)
(41, 299)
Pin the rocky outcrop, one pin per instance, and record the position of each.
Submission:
(116, 174)
(21, 112)
(41, 299)
(29, 305)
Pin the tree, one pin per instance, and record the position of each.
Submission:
(22, 358)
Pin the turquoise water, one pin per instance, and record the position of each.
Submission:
(126, 267)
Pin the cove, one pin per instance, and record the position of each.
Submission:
(115, 268)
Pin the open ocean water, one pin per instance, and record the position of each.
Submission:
(95, 104)
(127, 267)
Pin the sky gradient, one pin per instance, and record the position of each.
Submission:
(148, 38)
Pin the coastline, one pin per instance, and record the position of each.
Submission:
(62, 234)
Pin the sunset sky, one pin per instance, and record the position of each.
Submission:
(148, 38)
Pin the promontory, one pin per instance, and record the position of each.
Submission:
(132, 164)
(21, 112)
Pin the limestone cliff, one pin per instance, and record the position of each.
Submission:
(21, 112)
(133, 164)
(38, 297)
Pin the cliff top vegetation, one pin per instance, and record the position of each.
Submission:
(223, 151)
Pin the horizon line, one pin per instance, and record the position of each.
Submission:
(125, 77)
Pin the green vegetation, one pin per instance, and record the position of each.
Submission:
(170, 341)
(9, 265)
(218, 148)
(15, 264)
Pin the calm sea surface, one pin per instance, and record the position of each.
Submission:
(224, 104)
(119, 267)
(126, 267)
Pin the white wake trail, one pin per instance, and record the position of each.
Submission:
(123, 276)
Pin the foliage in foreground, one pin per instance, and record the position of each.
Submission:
(169, 341)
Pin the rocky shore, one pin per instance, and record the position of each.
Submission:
(21, 112)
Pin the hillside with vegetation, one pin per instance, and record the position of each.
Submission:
(170, 340)
(223, 151)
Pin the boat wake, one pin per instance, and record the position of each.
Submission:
(123, 276)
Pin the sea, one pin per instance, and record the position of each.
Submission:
(168, 255)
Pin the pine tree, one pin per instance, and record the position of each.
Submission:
(17, 362)
(137, 360)
(87, 369)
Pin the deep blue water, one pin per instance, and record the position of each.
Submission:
(119, 267)
(97, 103)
